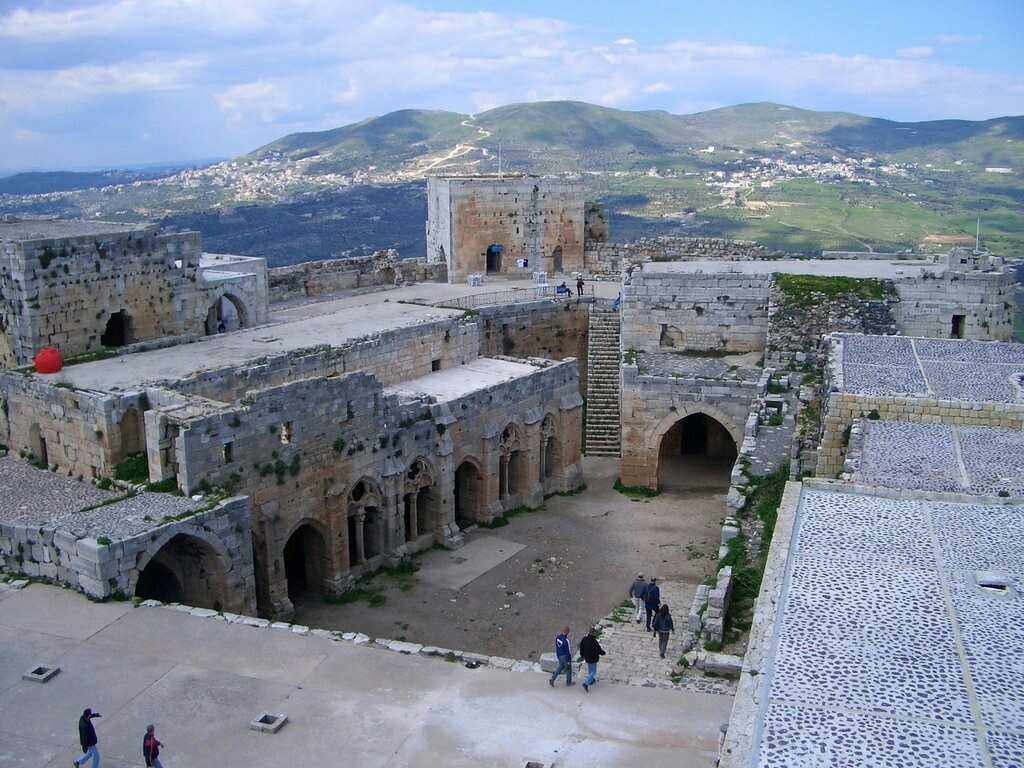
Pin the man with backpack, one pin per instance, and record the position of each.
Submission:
(652, 600)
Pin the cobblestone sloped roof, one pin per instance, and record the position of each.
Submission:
(943, 369)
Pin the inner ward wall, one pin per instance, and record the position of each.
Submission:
(696, 312)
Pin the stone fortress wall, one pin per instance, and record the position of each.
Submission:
(489, 224)
(382, 269)
(113, 285)
(604, 258)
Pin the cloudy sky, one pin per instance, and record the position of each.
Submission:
(117, 83)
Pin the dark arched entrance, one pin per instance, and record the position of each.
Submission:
(469, 494)
(494, 258)
(37, 445)
(697, 452)
(118, 331)
(185, 570)
(227, 314)
(556, 260)
(303, 562)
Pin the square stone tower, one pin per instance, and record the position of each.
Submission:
(505, 226)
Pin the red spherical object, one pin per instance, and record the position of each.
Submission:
(48, 360)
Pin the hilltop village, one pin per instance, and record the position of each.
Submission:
(223, 437)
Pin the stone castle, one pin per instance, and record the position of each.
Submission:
(311, 446)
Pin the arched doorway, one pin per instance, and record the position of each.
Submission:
(227, 314)
(556, 260)
(118, 331)
(697, 452)
(185, 570)
(304, 562)
(469, 494)
(418, 507)
(494, 258)
(132, 432)
(365, 523)
(37, 445)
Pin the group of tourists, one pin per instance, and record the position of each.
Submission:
(646, 598)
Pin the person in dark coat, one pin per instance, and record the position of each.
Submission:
(652, 600)
(87, 738)
(151, 748)
(579, 286)
(591, 652)
(662, 626)
(563, 652)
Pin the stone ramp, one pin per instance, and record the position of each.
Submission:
(632, 652)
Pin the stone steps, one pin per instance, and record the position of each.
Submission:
(603, 360)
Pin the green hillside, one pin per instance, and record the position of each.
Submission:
(795, 179)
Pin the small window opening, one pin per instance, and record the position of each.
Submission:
(956, 330)
(286, 433)
(435, 365)
(228, 452)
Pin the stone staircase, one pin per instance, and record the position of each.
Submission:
(603, 358)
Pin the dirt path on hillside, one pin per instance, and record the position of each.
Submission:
(581, 554)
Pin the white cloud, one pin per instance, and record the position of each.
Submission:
(262, 99)
(958, 39)
(915, 52)
(624, 41)
(657, 88)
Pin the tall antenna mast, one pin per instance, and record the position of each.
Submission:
(977, 236)
(499, 158)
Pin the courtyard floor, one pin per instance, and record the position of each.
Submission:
(512, 589)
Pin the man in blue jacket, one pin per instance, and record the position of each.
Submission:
(564, 653)
(87, 738)
(652, 600)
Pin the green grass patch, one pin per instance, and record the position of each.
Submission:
(133, 469)
(810, 290)
(635, 491)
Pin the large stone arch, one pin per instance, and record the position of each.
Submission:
(227, 313)
(684, 458)
(550, 461)
(198, 563)
(307, 558)
(470, 492)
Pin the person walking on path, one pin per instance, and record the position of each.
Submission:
(563, 651)
(579, 286)
(662, 625)
(88, 740)
(652, 600)
(151, 748)
(591, 652)
(636, 591)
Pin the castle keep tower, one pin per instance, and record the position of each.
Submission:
(504, 226)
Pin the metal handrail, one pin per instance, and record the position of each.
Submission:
(512, 296)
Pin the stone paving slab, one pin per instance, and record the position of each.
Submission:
(470, 562)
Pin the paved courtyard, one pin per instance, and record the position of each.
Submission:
(201, 680)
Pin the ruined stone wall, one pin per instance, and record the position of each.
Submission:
(82, 432)
(383, 268)
(552, 330)
(101, 569)
(242, 280)
(604, 258)
(595, 223)
(984, 299)
(677, 311)
(301, 450)
(652, 405)
(796, 328)
(62, 291)
(533, 218)
(393, 356)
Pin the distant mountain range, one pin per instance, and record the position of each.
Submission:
(795, 179)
